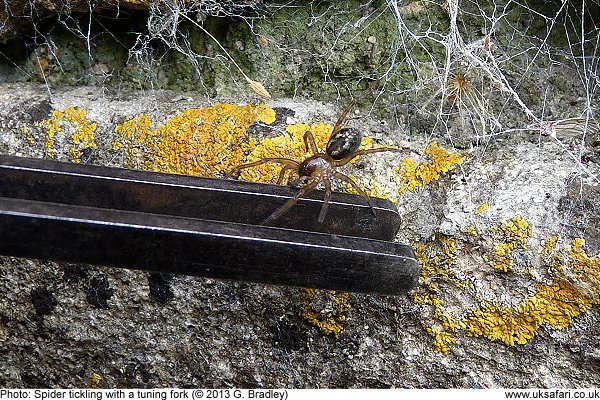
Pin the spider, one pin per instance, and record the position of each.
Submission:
(341, 148)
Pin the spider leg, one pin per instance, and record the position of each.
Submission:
(351, 157)
(285, 161)
(301, 180)
(282, 174)
(342, 117)
(327, 184)
(309, 139)
(349, 180)
(291, 202)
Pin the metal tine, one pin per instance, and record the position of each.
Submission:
(216, 249)
(212, 199)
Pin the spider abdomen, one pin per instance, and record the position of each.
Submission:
(343, 143)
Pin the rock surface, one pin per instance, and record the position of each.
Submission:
(61, 323)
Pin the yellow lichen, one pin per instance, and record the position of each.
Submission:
(95, 380)
(212, 140)
(553, 305)
(482, 208)
(442, 339)
(549, 245)
(583, 269)
(287, 146)
(514, 234)
(557, 304)
(198, 141)
(437, 263)
(574, 265)
(495, 322)
(437, 268)
(413, 175)
(52, 125)
(132, 132)
(79, 132)
(574, 289)
(325, 309)
(471, 230)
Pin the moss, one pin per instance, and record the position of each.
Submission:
(107, 51)
(350, 41)
(206, 66)
(176, 71)
(67, 58)
(308, 50)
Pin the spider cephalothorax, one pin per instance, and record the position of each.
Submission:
(341, 148)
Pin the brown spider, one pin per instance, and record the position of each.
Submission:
(341, 148)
